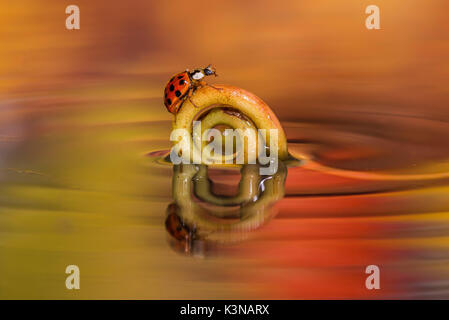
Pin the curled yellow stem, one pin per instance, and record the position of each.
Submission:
(235, 108)
(254, 201)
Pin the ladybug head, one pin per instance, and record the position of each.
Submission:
(209, 70)
(199, 74)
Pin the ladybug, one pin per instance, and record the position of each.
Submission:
(182, 85)
(183, 235)
(175, 226)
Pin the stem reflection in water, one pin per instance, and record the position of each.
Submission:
(199, 219)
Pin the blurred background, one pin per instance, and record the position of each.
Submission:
(80, 110)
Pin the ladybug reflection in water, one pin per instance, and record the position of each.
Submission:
(182, 86)
(183, 237)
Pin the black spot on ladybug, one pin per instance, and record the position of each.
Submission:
(181, 82)
(180, 77)
(166, 94)
(178, 228)
(168, 101)
(177, 93)
(172, 87)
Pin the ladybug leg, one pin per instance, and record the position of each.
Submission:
(218, 89)
(204, 84)
(193, 103)
(189, 95)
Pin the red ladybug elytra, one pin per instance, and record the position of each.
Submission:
(182, 85)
